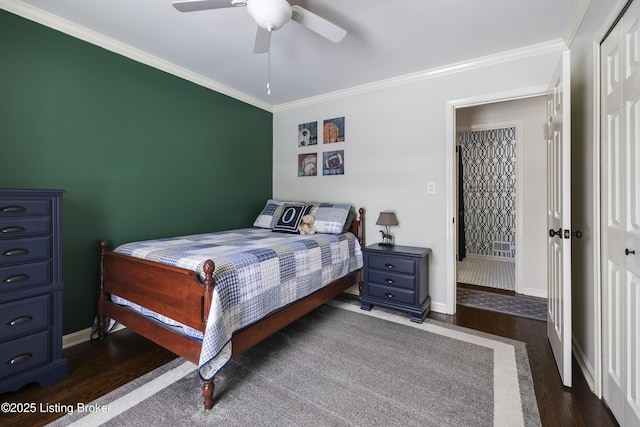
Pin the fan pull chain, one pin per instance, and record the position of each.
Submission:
(270, 29)
(269, 72)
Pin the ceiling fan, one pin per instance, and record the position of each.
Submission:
(270, 15)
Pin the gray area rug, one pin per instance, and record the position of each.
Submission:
(339, 366)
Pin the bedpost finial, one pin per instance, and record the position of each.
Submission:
(208, 267)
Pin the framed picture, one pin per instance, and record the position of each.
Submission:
(333, 162)
(308, 134)
(333, 130)
(308, 164)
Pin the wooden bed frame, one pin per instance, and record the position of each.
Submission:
(180, 295)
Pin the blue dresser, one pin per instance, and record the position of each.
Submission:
(30, 288)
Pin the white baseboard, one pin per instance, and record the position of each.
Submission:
(585, 366)
(83, 335)
(439, 307)
(533, 292)
(492, 257)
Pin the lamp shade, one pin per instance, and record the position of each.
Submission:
(387, 218)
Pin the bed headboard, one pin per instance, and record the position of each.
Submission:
(357, 227)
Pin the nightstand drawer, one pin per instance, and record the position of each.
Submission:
(13, 227)
(24, 353)
(20, 207)
(389, 263)
(388, 278)
(24, 316)
(20, 275)
(391, 294)
(21, 250)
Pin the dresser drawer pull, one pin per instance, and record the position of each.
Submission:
(12, 229)
(16, 278)
(19, 320)
(389, 295)
(390, 266)
(14, 252)
(13, 208)
(389, 281)
(17, 359)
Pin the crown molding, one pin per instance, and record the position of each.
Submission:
(44, 18)
(472, 64)
(575, 21)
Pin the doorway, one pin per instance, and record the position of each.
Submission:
(487, 205)
(502, 225)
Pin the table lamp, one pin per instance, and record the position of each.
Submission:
(386, 219)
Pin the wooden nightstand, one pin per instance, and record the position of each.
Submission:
(397, 277)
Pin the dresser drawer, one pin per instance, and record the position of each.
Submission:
(27, 249)
(19, 275)
(24, 316)
(14, 227)
(24, 353)
(385, 262)
(18, 207)
(391, 294)
(388, 278)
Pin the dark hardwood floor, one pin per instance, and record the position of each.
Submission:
(96, 368)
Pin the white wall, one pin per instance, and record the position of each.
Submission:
(532, 166)
(396, 141)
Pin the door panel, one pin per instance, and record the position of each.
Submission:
(559, 218)
(620, 155)
(632, 411)
(613, 233)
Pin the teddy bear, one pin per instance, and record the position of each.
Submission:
(307, 227)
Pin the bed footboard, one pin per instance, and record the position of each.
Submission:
(156, 287)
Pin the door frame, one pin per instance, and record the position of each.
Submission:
(451, 174)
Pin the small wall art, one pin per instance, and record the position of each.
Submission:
(333, 130)
(333, 162)
(308, 164)
(307, 134)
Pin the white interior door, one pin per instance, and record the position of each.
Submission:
(559, 218)
(620, 157)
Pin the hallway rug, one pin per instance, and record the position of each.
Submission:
(528, 307)
(341, 366)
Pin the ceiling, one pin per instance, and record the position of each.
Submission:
(385, 39)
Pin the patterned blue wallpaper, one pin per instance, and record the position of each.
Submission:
(488, 185)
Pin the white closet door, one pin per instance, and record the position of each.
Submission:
(620, 135)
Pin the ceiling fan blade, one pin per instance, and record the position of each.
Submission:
(318, 24)
(195, 5)
(263, 40)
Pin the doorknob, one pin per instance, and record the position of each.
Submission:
(628, 252)
(577, 234)
(553, 232)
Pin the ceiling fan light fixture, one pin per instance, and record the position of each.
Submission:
(269, 14)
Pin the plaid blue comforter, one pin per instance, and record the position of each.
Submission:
(257, 272)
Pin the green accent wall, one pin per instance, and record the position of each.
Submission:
(141, 153)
